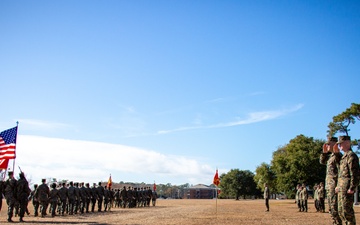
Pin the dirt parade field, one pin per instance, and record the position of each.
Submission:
(174, 211)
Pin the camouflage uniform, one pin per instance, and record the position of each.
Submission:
(100, 196)
(10, 195)
(297, 197)
(23, 192)
(106, 198)
(348, 180)
(83, 195)
(63, 192)
(332, 160)
(93, 197)
(42, 194)
(304, 197)
(88, 196)
(267, 197)
(321, 197)
(123, 197)
(53, 198)
(71, 198)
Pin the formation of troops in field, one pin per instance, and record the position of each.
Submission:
(69, 198)
(342, 180)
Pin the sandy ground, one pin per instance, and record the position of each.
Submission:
(193, 212)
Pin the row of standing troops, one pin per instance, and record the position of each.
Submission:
(79, 198)
(342, 178)
(68, 198)
(302, 196)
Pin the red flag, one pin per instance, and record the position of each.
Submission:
(216, 180)
(4, 163)
(154, 186)
(109, 184)
(8, 143)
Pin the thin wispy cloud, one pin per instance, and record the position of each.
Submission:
(33, 124)
(256, 93)
(254, 117)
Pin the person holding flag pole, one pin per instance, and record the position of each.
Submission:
(216, 182)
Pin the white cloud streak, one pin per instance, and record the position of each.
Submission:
(253, 117)
(42, 125)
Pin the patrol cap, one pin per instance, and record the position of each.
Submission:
(10, 173)
(343, 138)
(331, 139)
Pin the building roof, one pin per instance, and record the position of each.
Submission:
(201, 186)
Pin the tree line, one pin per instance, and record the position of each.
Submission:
(291, 164)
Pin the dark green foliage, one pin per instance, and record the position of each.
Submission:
(238, 183)
(298, 162)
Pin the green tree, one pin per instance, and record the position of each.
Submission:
(342, 121)
(264, 174)
(298, 162)
(237, 183)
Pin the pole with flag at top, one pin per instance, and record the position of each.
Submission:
(216, 182)
(109, 184)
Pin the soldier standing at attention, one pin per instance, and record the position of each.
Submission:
(53, 197)
(23, 192)
(297, 197)
(42, 194)
(100, 196)
(316, 197)
(331, 159)
(88, 198)
(348, 180)
(321, 195)
(266, 196)
(93, 197)
(63, 192)
(71, 198)
(9, 193)
(304, 197)
(106, 198)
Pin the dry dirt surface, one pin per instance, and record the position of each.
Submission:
(192, 212)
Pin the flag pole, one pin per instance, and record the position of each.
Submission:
(17, 124)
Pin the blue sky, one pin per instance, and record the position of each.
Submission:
(171, 90)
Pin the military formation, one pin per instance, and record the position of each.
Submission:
(69, 198)
(342, 179)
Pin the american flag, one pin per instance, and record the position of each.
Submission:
(8, 143)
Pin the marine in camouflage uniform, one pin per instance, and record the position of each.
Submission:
(54, 196)
(100, 196)
(321, 196)
(304, 198)
(123, 197)
(348, 180)
(297, 197)
(71, 198)
(23, 192)
(93, 197)
(88, 196)
(10, 194)
(42, 194)
(63, 192)
(332, 161)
